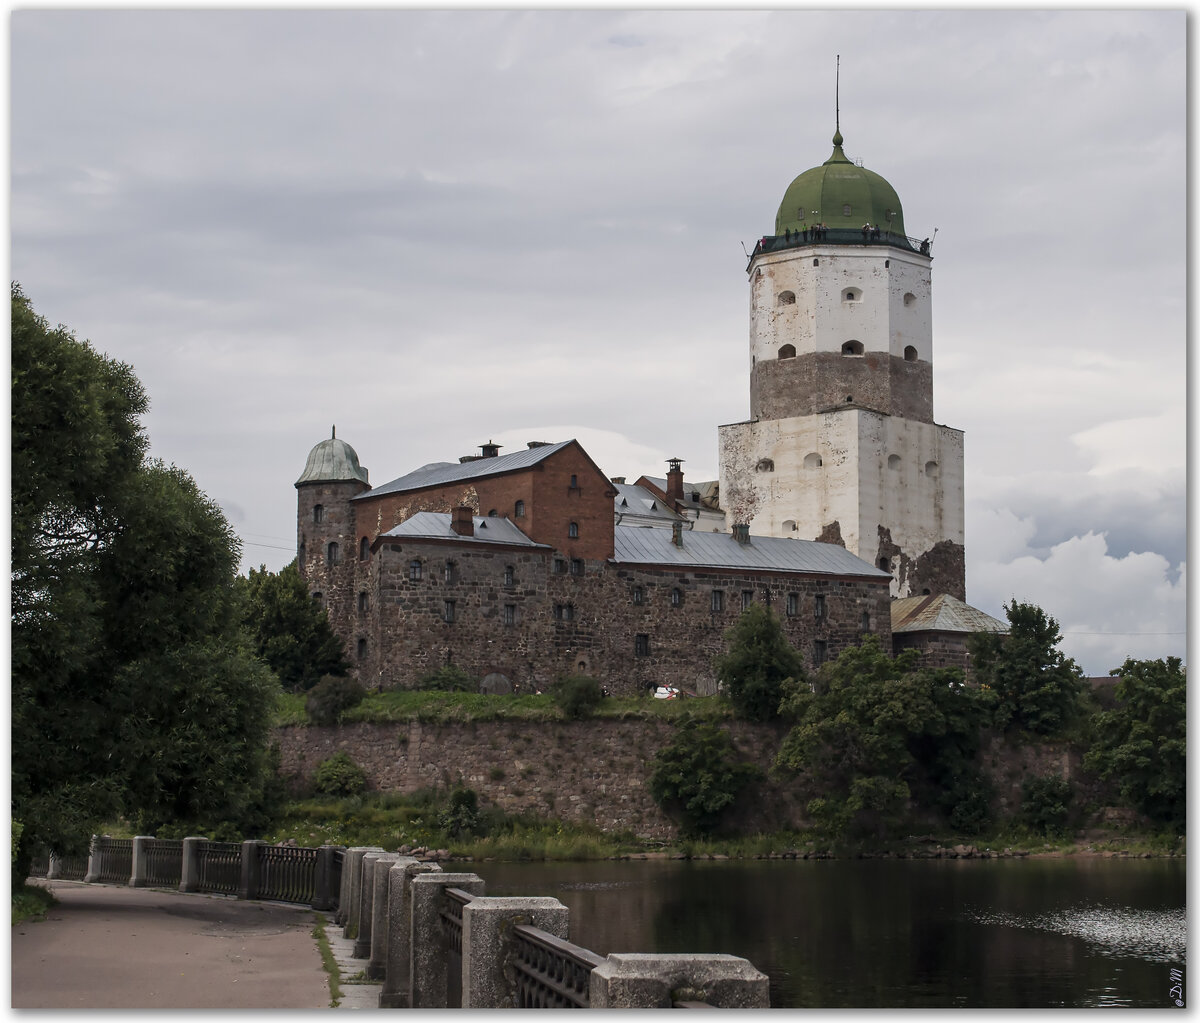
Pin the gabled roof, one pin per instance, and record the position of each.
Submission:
(645, 545)
(436, 526)
(638, 501)
(941, 613)
(439, 473)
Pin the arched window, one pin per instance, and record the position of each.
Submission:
(885, 564)
(491, 513)
(910, 353)
(852, 295)
(931, 468)
(866, 621)
(765, 465)
(812, 460)
(789, 525)
(364, 549)
(363, 602)
(816, 262)
(786, 298)
(362, 649)
(333, 554)
(894, 462)
(318, 513)
(852, 348)
(787, 352)
(573, 530)
(909, 298)
(677, 597)
(519, 510)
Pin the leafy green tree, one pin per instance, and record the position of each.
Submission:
(696, 777)
(874, 733)
(134, 691)
(291, 631)
(331, 697)
(577, 696)
(1045, 804)
(1142, 741)
(1038, 688)
(757, 661)
(461, 816)
(339, 775)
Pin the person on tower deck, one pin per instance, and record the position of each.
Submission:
(875, 233)
(805, 232)
(866, 229)
(925, 247)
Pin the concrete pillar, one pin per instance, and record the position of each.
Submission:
(55, 867)
(427, 939)
(352, 886)
(366, 893)
(647, 981)
(251, 869)
(189, 870)
(397, 977)
(140, 871)
(323, 893)
(487, 943)
(94, 854)
(377, 948)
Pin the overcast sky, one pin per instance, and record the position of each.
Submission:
(436, 228)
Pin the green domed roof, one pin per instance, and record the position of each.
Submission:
(332, 461)
(822, 195)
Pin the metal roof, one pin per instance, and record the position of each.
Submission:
(332, 461)
(436, 525)
(438, 473)
(941, 613)
(634, 500)
(645, 545)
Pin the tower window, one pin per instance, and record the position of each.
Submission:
(787, 298)
(793, 604)
(448, 611)
(364, 549)
(509, 575)
(852, 348)
(909, 298)
(931, 468)
(638, 595)
(519, 510)
(885, 564)
(765, 465)
(820, 652)
(894, 462)
(866, 621)
(510, 614)
(573, 530)
(718, 600)
(910, 353)
(816, 262)
(363, 602)
(852, 295)
(677, 597)
(414, 570)
(362, 649)
(819, 606)
(450, 572)
(789, 525)
(333, 554)
(812, 460)
(787, 352)
(318, 513)
(320, 600)
(564, 612)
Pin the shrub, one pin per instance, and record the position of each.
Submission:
(1044, 804)
(331, 697)
(447, 679)
(694, 778)
(757, 662)
(339, 776)
(578, 695)
(461, 817)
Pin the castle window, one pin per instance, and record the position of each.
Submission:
(931, 468)
(765, 465)
(509, 575)
(577, 566)
(414, 570)
(786, 298)
(491, 513)
(560, 566)
(363, 600)
(852, 295)
(564, 612)
(677, 597)
(910, 353)
(766, 598)
(787, 352)
(845, 209)
(448, 611)
(638, 595)
(320, 600)
(718, 600)
(333, 554)
(510, 614)
(866, 621)
(641, 645)
(819, 606)
(362, 649)
(885, 564)
(573, 531)
(812, 460)
(793, 604)
(450, 573)
(894, 462)
(816, 262)
(318, 513)
(820, 652)
(519, 510)
(909, 298)
(852, 348)
(747, 599)
(364, 549)
(789, 525)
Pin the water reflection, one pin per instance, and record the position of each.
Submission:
(872, 933)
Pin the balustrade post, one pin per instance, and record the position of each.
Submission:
(248, 885)
(366, 892)
(487, 942)
(139, 870)
(648, 981)
(397, 976)
(95, 852)
(427, 939)
(55, 867)
(377, 950)
(352, 886)
(323, 892)
(189, 869)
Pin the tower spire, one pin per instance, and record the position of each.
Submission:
(837, 105)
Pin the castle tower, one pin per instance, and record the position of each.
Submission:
(841, 445)
(327, 544)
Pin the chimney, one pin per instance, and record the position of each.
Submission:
(741, 533)
(463, 522)
(674, 480)
(537, 444)
(677, 534)
(491, 449)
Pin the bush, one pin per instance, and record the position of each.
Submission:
(461, 817)
(1044, 804)
(757, 662)
(695, 778)
(339, 776)
(578, 695)
(331, 697)
(447, 679)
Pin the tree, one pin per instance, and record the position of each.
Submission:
(1142, 741)
(1037, 687)
(696, 778)
(757, 661)
(577, 696)
(291, 631)
(133, 688)
(873, 733)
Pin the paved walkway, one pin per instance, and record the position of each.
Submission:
(111, 947)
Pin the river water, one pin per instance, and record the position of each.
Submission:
(1012, 933)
